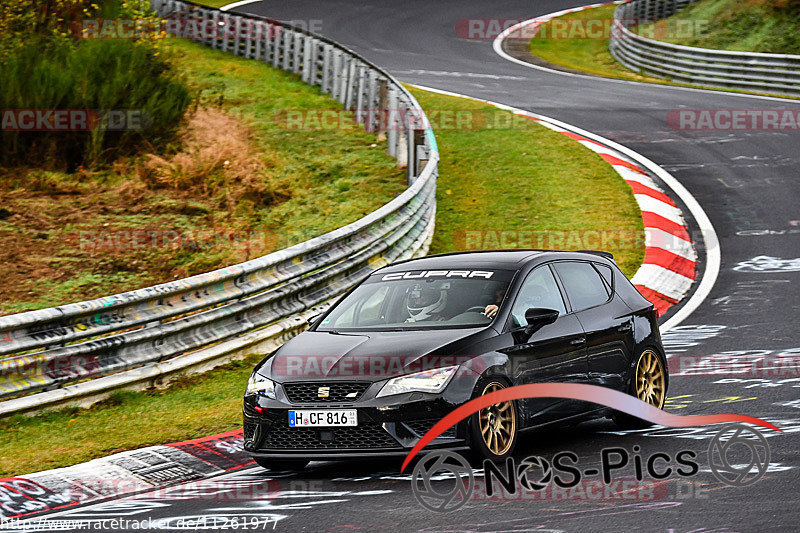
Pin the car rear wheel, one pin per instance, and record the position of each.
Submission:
(494, 430)
(649, 384)
(281, 464)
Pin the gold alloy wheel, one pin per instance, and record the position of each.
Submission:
(498, 422)
(650, 379)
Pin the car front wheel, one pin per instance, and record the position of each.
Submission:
(494, 429)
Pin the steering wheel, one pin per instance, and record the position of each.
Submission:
(475, 309)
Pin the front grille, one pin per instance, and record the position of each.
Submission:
(249, 430)
(351, 438)
(420, 427)
(338, 392)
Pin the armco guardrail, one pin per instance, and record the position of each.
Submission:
(770, 73)
(253, 305)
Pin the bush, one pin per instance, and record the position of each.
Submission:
(49, 71)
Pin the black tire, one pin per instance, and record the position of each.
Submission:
(493, 432)
(281, 464)
(626, 421)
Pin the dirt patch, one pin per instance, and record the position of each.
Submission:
(218, 161)
(147, 220)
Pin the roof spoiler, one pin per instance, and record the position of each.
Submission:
(607, 255)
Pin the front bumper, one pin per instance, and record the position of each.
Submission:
(387, 426)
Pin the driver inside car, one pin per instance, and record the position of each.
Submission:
(491, 309)
(426, 304)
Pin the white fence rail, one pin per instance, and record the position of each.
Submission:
(144, 334)
(767, 73)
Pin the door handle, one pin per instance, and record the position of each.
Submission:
(577, 341)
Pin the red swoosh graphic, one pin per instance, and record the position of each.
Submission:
(575, 391)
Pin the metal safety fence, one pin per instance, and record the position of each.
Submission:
(757, 72)
(141, 335)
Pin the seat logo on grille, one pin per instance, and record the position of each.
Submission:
(323, 392)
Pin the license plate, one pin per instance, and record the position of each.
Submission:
(323, 418)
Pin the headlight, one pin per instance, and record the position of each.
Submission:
(427, 381)
(259, 384)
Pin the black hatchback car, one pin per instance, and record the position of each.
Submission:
(418, 338)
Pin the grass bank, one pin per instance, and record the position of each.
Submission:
(574, 50)
(507, 182)
(236, 185)
(769, 26)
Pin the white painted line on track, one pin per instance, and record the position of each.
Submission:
(228, 7)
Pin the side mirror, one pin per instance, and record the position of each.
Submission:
(540, 316)
(537, 318)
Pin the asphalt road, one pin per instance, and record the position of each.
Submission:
(747, 182)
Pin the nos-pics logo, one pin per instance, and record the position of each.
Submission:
(443, 481)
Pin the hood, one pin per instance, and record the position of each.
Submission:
(371, 356)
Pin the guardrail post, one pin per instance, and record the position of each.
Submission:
(359, 111)
(308, 46)
(371, 100)
(287, 48)
(314, 76)
(411, 166)
(351, 80)
(277, 45)
(336, 75)
(392, 123)
(297, 65)
(259, 41)
(250, 38)
(344, 69)
(326, 68)
(215, 33)
(226, 40)
(237, 28)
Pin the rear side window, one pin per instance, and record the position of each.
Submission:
(585, 288)
(608, 276)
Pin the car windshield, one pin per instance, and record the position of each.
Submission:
(420, 299)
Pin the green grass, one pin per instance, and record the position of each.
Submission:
(525, 178)
(750, 26)
(202, 405)
(591, 55)
(587, 55)
(214, 3)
